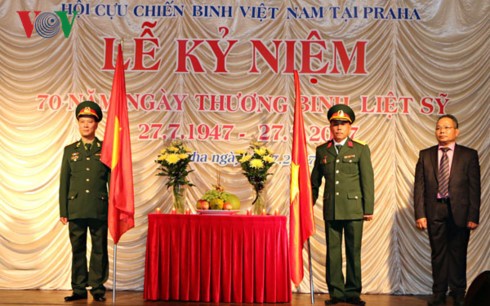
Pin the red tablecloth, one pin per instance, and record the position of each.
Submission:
(217, 259)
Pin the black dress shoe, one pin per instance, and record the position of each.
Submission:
(75, 297)
(99, 297)
(356, 301)
(458, 300)
(333, 301)
(437, 300)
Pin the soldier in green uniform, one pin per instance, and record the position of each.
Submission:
(348, 200)
(83, 205)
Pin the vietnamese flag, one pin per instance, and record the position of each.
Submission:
(301, 223)
(116, 154)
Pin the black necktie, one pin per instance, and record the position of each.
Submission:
(87, 146)
(444, 174)
(338, 148)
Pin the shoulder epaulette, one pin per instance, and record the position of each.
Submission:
(75, 144)
(360, 142)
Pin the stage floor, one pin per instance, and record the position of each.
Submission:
(135, 298)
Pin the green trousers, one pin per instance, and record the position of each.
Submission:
(98, 272)
(352, 230)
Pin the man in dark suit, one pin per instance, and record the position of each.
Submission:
(348, 200)
(83, 204)
(447, 203)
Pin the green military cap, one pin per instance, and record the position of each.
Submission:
(341, 112)
(89, 108)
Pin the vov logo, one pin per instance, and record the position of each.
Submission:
(46, 24)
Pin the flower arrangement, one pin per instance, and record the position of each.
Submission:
(173, 161)
(256, 162)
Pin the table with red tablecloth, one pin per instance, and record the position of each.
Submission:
(216, 258)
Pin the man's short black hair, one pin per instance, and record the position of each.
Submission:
(452, 117)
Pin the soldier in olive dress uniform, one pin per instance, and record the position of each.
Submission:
(83, 205)
(348, 200)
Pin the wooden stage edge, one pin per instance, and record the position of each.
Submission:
(135, 298)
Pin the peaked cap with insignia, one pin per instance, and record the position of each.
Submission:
(341, 112)
(89, 108)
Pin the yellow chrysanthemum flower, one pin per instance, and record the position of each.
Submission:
(268, 159)
(245, 158)
(162, 157)
(260, 151)
(240, 152)
(173, 149)
(257, 163)
(173, 158)
(183, 155)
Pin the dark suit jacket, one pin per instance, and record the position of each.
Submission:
(464, 185)
(349, 180)
(83, 182)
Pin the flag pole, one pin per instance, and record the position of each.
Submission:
(301, 216)
(114, 274)
(116, 154)
(312, 288)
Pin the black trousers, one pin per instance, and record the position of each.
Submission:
(96, 275)
(338, 286)
(449, 245)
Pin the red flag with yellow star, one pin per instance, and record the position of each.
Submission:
(116, 154)
(301, 223)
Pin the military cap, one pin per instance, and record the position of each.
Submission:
(341, 112)
(89, 108)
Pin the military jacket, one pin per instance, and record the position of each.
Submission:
(349, 180)
(83, 182)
